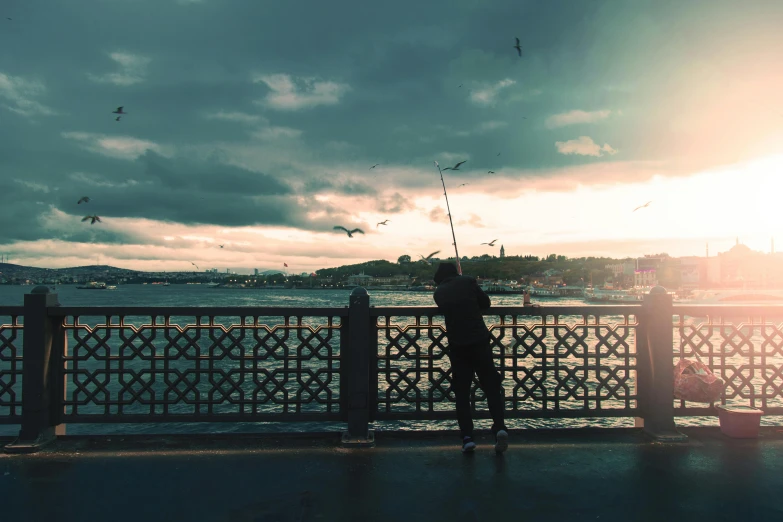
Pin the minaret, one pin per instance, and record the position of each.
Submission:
(502, 251)
(708, 250)
(773, 245)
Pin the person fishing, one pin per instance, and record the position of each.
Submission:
(461, 301)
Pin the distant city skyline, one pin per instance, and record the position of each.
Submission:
(293, 270)
(244, 149)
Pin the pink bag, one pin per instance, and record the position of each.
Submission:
(695, 382)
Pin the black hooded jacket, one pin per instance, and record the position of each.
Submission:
(461, 301)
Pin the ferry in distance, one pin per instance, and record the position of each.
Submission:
(734, 295)
(497, 288)
(93, 285)
(613, 296)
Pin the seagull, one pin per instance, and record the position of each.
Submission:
(381, 223)
(464, 185)
(194, 264)
(491, 243)
(518, 47)
(84, 199)
(119, 110)
(428, 259)
(221, 246)
(93, 218)
(490, 172)
(455, 167)
(460, 85)
(374, 166)
(349, 232)
(117, 118)
(642, 206)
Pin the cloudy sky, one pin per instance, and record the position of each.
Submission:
(253, 124)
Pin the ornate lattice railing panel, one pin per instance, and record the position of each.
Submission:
(200, 367)
(741, 345)
(11, 336)
(553, 365)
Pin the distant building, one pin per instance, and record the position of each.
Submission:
(255, 271)
(359, 279)
(650, 261)
(626, 268)
(690, 272)
(645, 278)
(502, 251)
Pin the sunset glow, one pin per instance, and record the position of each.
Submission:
(263, 147)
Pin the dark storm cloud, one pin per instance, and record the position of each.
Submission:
(370, 83)
(395, 203)
(208, 176)
(351, 188)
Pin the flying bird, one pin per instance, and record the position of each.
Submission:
(518, 47)
(84, 199)
(119, 110)
(374, 166)
(490, 172)
(428, 259)
(117, 118)
(94, 218)
(221, 246)
(381, 223)
(194, 264)
(491, 243)
(642, 206)
(460, 85)
(464, 185)
(349, 232)
(498, 154)
(455, 167)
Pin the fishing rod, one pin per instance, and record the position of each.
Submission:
(459, 267)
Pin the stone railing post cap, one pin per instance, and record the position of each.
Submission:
(40, 289)
(657, 290)
(359, 290)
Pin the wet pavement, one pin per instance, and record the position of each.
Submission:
(570, 475)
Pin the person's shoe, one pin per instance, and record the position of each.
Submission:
(468, 445)
(501, 441)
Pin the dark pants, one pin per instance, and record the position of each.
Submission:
(465, 361)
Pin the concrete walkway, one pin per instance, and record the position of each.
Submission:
(569, 475)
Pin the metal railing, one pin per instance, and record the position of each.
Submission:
(358, 364)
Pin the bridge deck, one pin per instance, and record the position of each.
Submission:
(571, 475)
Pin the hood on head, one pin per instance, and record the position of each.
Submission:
(445, 270)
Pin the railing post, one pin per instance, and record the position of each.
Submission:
(40, 373)
(358, 371)
(655, 360)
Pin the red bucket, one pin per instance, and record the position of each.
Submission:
(739, 422)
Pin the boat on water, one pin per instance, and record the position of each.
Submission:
(111, 287)
(543, 291)
(212, 284)
(613, 296)
(734, 295)
(93, 285)
(499, 287)
(632, 296)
